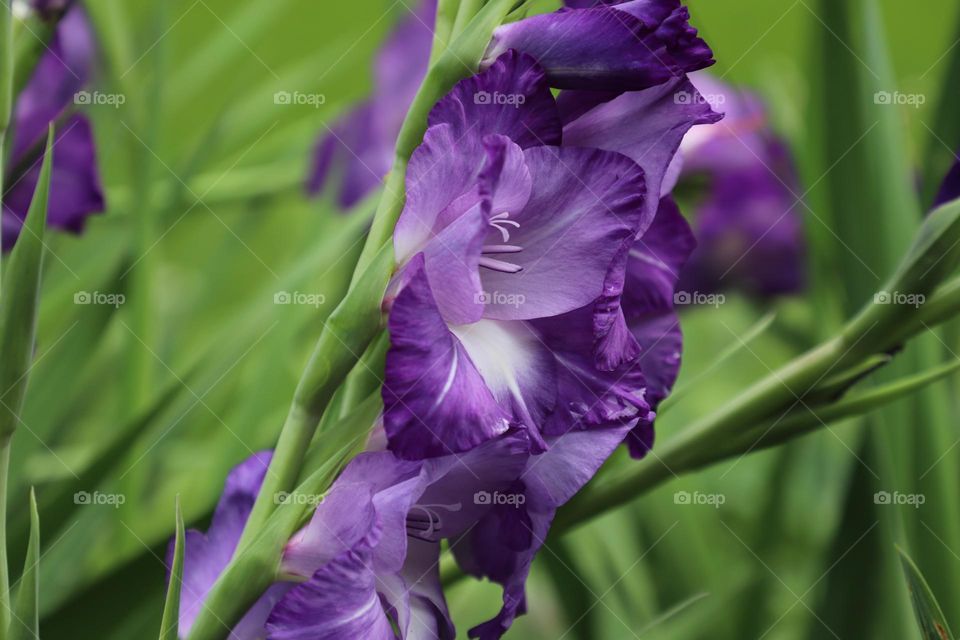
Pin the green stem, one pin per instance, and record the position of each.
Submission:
(4, 569)
(754, 406)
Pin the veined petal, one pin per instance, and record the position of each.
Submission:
(435, 400)
(442, 169)
(340, 601)
(516, 366)
(511, 98)
(647, 126)
(504, 543)
(626, 47)
(589, 397)
(584, 204)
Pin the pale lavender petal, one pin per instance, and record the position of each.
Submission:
(626, 47)
(441, 170)
(647, 126)
(340, 601)
(584, 204)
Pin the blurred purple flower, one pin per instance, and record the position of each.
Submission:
(75, 189)
(748, 229)
(950, 189)
(358, 149)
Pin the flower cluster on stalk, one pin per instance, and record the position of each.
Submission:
(531, 322)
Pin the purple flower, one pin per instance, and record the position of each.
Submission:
(749, 231)
(509, 307)
(369, 556)
(358, 149)
(75, 190)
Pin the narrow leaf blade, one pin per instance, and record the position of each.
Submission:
(933, 624)
(171, 608)
(19, 302)
(26, 624)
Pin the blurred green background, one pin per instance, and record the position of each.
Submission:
(208, 220)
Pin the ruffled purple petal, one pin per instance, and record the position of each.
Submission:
(647, 126)
(511, 98)
(591, 397)
(206, 555)
(628, 47)
(584, 204)
(504, 543)
(435, 400)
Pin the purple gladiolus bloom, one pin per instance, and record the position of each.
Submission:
(369, 556)
(749, 231)
(359, 148)
(75, 189)
(509, 306)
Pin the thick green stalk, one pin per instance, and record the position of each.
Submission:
(356, 320)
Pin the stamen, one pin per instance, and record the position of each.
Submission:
(501, 248)
(499, 265)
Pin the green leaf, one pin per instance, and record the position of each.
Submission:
(26, 622)
(932, 622)
(171, 608)
(19, 302)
